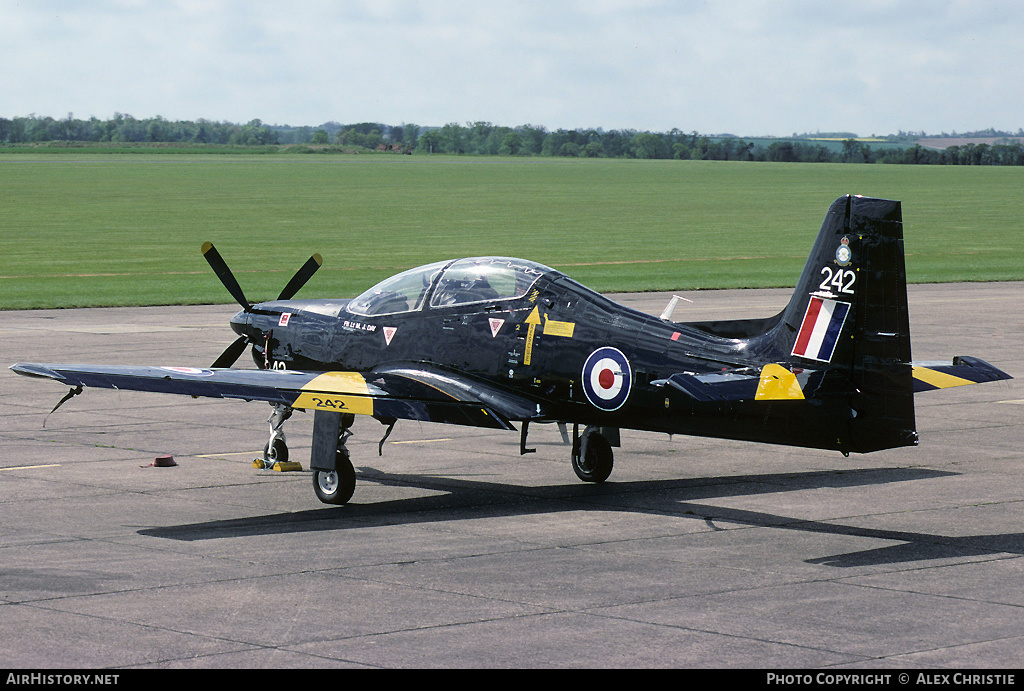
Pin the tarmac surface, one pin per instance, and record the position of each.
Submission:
(458, 552)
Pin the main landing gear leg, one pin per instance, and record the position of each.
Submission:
(592, 457)
(334, 478)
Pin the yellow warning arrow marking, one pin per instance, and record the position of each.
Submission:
(533, 320)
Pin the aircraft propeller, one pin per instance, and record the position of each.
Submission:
(231, 353)
(304, 273)
(220, 267)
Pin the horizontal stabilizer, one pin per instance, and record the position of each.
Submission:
(775, 382)
(929, 376)
(772, 383)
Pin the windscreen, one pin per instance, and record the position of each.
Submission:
(402, 292)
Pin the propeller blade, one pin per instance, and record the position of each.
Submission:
(220, 267)
(301, 276)
(231, 353)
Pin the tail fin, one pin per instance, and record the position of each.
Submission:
(849, 317)
(837, 357)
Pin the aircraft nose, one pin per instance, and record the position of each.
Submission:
(239, 322)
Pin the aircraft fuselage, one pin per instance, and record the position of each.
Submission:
(540, 347)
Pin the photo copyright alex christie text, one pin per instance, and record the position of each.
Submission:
(955, 679)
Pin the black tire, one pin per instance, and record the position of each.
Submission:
(276, 454)
(596, 466)
(335, 486)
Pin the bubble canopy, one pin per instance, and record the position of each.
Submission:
(450, 283)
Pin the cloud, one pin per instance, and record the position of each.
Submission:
(748, 67)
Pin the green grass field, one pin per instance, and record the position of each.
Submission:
(90, 230)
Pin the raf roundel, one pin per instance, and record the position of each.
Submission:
(607, 379)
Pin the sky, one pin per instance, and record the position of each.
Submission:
(745, 67)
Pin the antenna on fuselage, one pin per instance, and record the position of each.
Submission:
(666, 314)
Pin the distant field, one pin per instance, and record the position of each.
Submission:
(832, 144)
(80, 230)
(946, 142)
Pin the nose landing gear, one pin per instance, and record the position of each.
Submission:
(275, 453)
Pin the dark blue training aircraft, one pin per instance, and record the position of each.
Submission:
(492, 341)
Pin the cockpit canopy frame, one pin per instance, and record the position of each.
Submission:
(450, 283)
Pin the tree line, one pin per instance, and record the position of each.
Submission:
(126, 129)
(486, 139)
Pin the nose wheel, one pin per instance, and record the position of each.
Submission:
(275, 453)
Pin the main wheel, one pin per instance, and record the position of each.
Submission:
(276, 452)
(595, 465)
(335, 486)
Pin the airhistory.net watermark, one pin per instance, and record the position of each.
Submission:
(59, 679)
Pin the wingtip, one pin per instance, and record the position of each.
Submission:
(31, 369)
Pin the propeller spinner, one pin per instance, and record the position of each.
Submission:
(220, 267)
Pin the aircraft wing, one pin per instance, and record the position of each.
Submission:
(409, 392)
(777, 382)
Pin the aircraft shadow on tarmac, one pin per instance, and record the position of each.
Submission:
(463, 499)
